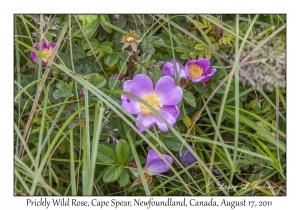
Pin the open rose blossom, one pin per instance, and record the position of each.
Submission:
(154, 165)
(197, 70)
(186, 157)
(169, 68)
(46, 51)
(163, 98)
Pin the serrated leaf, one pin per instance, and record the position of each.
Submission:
(96, 79)
(199, 47)
(104, 18)
(189, 97)
(266, 106)
(62, 86)
(90, 24)
(94, 45)
(214, 86)
(122, 151)
(173, 143)
(112, 59)
(158, 40)
(124, 178)
(228, 40)
(106, 154)
(106, 43)
(121, 22)
(243, 26)
(208, 54)
(111, 82)
(255, 105)
(199, 87)
(106, 48)
(89, 53)
(78, 52)
(147, 48)
(113, 173)
(57, 94)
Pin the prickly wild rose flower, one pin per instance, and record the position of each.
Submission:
(163, 98)
(154, 165)
(186, 157)
(197, 70)
(46, 51)
(169, 68)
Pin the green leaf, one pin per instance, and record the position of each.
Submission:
(243, 26)
(96, 79)
(173, 143)
(208, 54)
(222, 88)
(189, 97)
(112, 59)
(106, 43)
(147, 48)
(199, 87)
(89, 53)
(106, 48)
(121, 22)
(113, 173)
(124, 178)
(94, 44)
(199, 47)
(254, 104)
(104, 18)
(266, 106)
(57, 94)
(62, 86)
(111, 82)
(106, 154)
(90, 24)
(158, 40)
(78, 52)
(62, 90)
(122, 151)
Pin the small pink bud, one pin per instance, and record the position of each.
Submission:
(183, 81)
(81, 92)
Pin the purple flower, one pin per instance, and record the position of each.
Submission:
(197, 70)
(46, 51)
(169, 68)
(186, 157)
(154, 165)
(163, 98)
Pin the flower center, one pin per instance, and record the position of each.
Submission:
(195, 71)
(148, 179)
(153, 100)
(46, 53)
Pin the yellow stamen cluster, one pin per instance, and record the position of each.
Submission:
(46, 53)
(148, 179)
(153, 100)
(195, 71)
(129, 39)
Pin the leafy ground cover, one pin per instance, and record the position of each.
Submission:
(150, 104)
